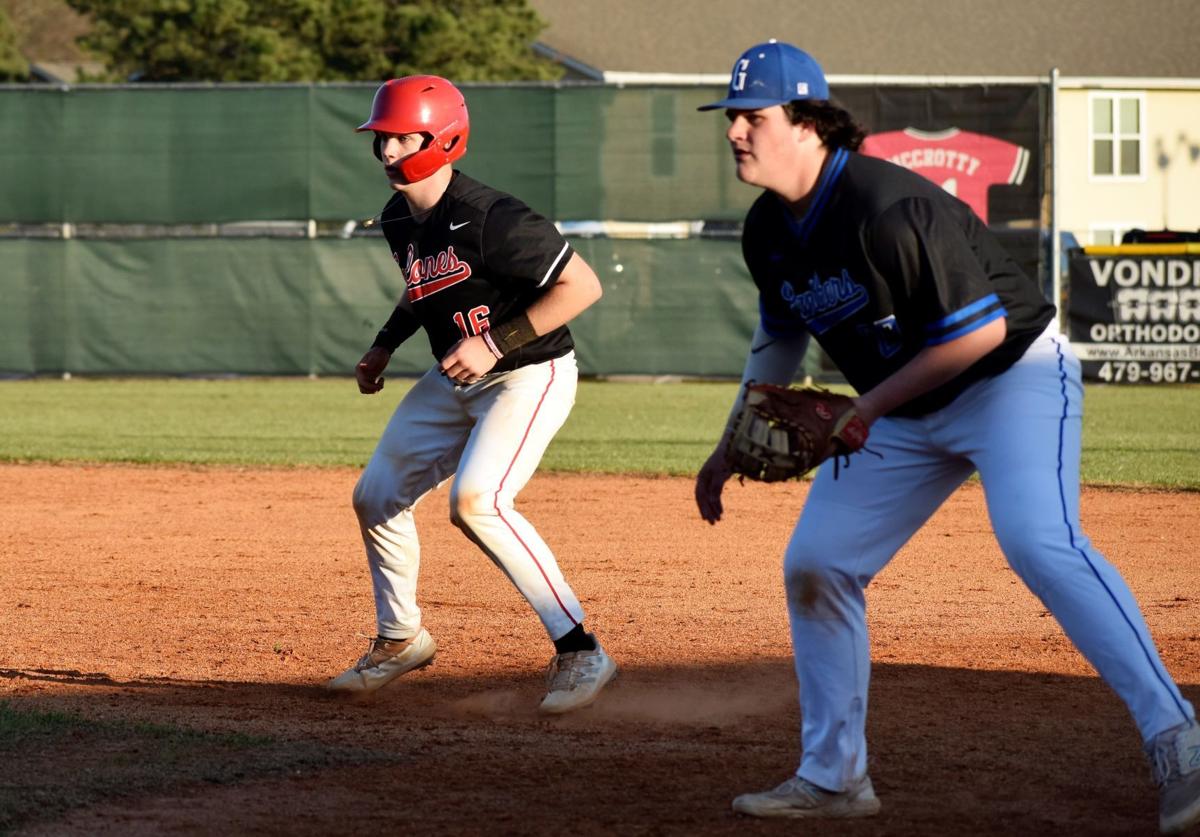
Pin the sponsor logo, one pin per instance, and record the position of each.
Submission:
(1150, 290)
(425, 277)
(454, 226)
(1140, 305)
(1146, 273)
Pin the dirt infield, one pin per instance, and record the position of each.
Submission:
(216, 600)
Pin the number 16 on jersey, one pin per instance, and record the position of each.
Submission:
(474, 322)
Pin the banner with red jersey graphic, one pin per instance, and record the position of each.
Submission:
(980, 142)
(964, 163)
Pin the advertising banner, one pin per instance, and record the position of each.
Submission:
(1135, 313)
(981, 143)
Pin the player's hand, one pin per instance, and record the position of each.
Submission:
(468, 360)
(714, 473)
(369, 371)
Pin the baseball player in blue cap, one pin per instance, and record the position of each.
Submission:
(960, 369)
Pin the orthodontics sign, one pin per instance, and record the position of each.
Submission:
(1135, 313)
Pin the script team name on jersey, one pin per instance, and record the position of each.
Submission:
(426, 276)
(825, 303)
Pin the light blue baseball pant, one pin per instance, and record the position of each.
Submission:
(1021, 431)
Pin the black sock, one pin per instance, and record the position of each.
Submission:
(577, 639)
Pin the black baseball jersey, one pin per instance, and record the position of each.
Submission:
(883, 264)
(478, 258)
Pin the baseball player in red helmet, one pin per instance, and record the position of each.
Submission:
(959, 369)
(493, 284)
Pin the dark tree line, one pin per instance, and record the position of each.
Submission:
(13, 66)
(313, 40)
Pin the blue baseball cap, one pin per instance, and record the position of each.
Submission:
(772, 74)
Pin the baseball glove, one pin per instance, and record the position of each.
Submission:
(782, 433)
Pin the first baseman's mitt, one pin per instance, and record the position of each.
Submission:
(783, 433)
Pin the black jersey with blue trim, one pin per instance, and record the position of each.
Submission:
(883, 264)
(478, 258)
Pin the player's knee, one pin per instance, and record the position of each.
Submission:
(1046, 566)
(814, 589)
(372, 506)
(802, 558)
(806, 581)
(1034, 549)
(467, 507)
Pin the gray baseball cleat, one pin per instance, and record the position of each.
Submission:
(797, 798)
(574, 680)
(384, 661)
(1175, 759)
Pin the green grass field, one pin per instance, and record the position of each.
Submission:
(1143, 436)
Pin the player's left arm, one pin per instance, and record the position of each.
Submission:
(930, 368)
(577, 288)
(926, 248)
(532, 261)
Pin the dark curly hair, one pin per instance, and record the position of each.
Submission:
(834, 125)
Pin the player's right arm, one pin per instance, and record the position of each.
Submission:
(402, 325)
(772, 360)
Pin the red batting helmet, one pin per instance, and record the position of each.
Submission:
(427, 105)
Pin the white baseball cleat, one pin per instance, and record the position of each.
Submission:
(797, 798)
(1175, 760)
(384, 661)
(574, 680)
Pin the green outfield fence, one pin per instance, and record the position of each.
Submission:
(216, 229)
(312, 306)
(127, 184)
(184, 155)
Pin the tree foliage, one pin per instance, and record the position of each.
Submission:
(314, 40)
(13, 66)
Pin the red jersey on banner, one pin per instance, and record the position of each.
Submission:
(963, 163)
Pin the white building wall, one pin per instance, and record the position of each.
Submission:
(1166, 194)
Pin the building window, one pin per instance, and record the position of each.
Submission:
(1118, 134)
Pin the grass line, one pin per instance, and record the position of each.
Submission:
(1134, 436)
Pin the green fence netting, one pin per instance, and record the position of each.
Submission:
(312, 306)
(171, 156)
(248, 153)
